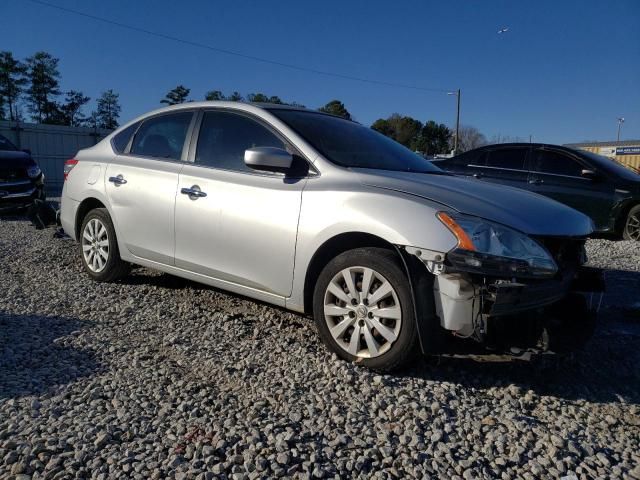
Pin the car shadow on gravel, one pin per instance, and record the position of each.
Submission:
(37, 354)
(605, 370)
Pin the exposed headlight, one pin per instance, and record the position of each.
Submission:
(493, 249)
(34, 171)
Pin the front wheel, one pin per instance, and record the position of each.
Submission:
(363, 309)
(632, 225)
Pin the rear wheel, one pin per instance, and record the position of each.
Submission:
(363, 309)
(99, 247)
(632, 225)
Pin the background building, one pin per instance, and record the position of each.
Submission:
(626, 152)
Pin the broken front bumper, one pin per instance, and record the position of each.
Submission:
(500, 312)
(507, 298)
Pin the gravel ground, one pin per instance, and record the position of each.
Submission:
(157, 377)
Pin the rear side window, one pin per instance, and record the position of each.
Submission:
(163, 136)
(121, 140)
(512, 158)
(548, 161)
(474, 157)
(225, 136)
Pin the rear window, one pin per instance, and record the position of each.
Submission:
(5, 144)
(121, 140)
(473, 157)
(509, 158)
(163, 136)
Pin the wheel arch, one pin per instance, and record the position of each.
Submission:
(84, 208)
(622, 216)
(330, 249)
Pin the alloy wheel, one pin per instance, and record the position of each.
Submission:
(95, 245)
(633, 227)
(362, 312)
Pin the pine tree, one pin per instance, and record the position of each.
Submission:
(43, 76)
(108, 110)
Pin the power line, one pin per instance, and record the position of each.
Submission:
(234, 53)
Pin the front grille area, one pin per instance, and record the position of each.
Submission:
(12, 174)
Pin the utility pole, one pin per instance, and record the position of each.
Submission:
(455, 144)
(620, 122)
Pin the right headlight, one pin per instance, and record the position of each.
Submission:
(493, 249)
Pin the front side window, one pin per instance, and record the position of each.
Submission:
(548, 161)
(509, 158)
(162, 136)
(225, 136)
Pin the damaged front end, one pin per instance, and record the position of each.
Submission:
(510, 292)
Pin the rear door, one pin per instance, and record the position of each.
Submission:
(141, 185)
(558, 174)
(503, 165)
(242, 227)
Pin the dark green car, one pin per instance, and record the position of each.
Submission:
(598, 186)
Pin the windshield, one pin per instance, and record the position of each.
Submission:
(5, 144)
(349, 144)
(610, 165)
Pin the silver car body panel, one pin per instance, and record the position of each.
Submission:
(256, 234)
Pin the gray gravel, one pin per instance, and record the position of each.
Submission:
(157, 377)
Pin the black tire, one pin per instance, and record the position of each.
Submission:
(115, 268)
(406, 346)
(631, 228)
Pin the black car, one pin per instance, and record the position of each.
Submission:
(21, 180)
(598, 186)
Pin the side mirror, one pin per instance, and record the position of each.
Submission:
(268, 158)
(590, 174)
(27, 150)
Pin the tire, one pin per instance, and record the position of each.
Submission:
(631, 228)
(99, 248)
(394, 340)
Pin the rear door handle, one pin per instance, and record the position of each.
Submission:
(118, 180)
(194, 192)
(536, 181)
(477, 175)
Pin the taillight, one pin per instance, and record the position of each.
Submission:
(68, 166)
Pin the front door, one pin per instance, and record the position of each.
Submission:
(141, 185)
(242, 226)
(558, 175)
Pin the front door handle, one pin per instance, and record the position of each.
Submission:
(118, 180)
(194, 192)
(477, 175)
(536, 181)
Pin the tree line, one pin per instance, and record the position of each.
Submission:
(35, 82)
(429, 138)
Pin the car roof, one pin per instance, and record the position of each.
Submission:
(228, 104)
(523, 144)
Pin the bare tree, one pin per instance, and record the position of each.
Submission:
(470, 138)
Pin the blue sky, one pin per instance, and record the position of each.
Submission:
(563, 72)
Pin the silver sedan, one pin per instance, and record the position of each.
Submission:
(322, 216)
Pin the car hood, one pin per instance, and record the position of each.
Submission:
(519, 209)
(13, 159)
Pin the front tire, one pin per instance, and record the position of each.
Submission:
(99, 248)
(631, 229)
(363, 309)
